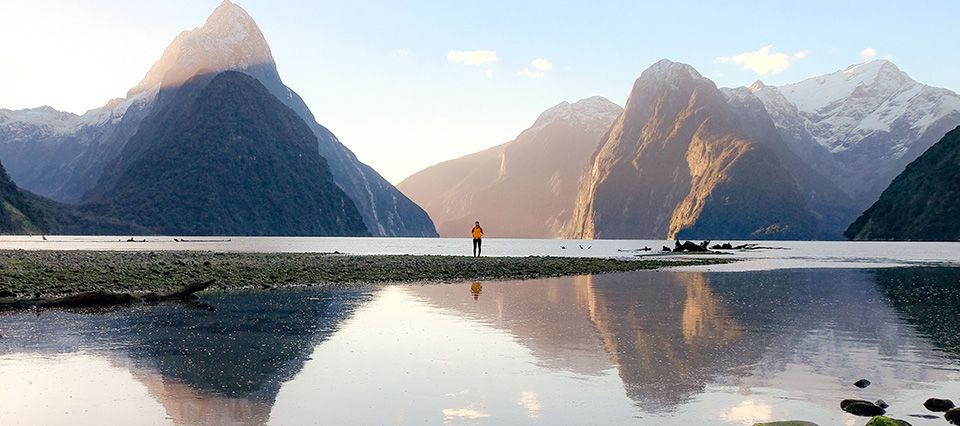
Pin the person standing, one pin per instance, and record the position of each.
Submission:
(477, 238)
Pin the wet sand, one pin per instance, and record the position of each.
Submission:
(57, 273)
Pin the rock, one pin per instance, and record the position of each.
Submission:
(665, 248)
(7, 293)
(788, 423)
(953, 416)
(886, 421)
(860, 407)
(938, 405)
(862, 383)
(882, 404)
(690, 247)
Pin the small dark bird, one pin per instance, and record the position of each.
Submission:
(44, 237)
(563, 247)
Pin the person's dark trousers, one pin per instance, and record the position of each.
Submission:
(476, 247)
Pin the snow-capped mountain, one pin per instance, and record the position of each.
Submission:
(523, 188)
(861, 125)
(64, 157)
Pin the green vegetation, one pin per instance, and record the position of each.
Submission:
(923, 203)
(222, 156)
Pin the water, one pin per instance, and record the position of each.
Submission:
(787, 254)
(653, 347)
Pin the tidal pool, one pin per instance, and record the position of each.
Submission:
(653, 347)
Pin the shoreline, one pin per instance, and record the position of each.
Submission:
(33, 274)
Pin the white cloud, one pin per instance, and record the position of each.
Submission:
(542, 64)
(489, 73)
(764, 61)
(537, 69)
(868, 54)
(403, 53)
(531, 74)
(472, 57)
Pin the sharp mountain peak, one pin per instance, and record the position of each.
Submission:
(228, 40)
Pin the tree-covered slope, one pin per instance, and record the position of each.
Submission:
(222, 156)
(922, 203)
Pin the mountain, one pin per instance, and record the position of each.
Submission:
(922, 203)
(64, 156)
(17, 214)
(862, 125)
(678, 163)
(22, 212)
(222, 156)
(524, 188)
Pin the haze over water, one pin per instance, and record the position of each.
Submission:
(647, 347)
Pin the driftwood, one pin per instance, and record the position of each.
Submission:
(100, 298)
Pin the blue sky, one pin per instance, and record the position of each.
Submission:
(379, 74)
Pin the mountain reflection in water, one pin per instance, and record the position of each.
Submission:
(222, 361)
(655, 347)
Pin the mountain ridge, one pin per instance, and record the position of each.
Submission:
(501, 186)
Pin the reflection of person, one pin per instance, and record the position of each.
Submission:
(477, 238)
(475, 290)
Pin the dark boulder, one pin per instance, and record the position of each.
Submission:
(882, 404)
(938, 405)
(860, 407)
(953, 416)
(862, 383)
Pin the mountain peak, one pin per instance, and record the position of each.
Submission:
(757, 86)
(229, 40)
(880, 75)
(668, 68)
(586, 113)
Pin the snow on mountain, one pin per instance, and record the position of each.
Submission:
(593, 114)
(860, 126)
(845, 107)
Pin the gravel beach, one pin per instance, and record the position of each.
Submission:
(56, 273)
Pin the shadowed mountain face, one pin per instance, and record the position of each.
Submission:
(64, 156)
(17, 214)
(923, 203)
(222, 156)
(524, 188)
(678, 164)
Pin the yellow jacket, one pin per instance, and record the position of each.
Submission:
(477, 232)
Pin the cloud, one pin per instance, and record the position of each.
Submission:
(472, 57)
(403, 53)
(542, 64)
(489, 73)
(531, 74)
(868, 54)
(537, 69)
(764, 61)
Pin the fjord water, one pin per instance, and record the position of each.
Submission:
(779, 254)
(655, 347)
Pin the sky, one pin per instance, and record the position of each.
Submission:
(408, 84)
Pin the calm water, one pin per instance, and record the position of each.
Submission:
(788, 254)
(653, 348)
